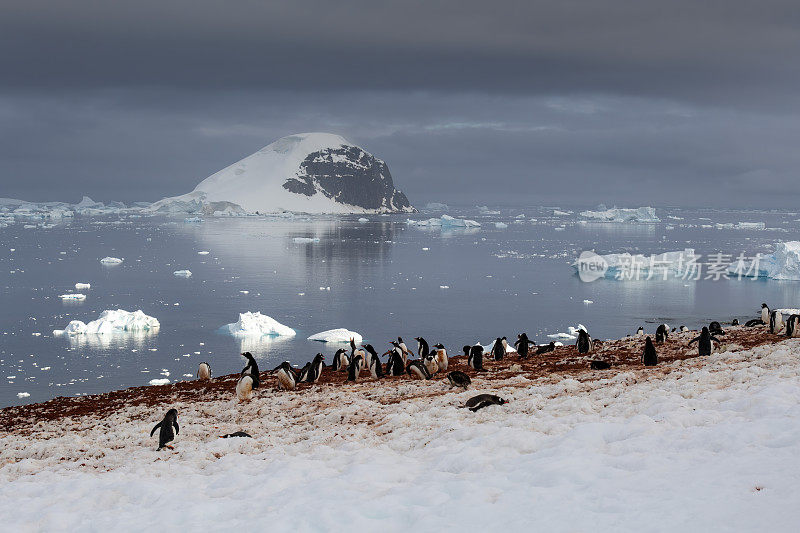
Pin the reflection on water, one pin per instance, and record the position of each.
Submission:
(107, 341)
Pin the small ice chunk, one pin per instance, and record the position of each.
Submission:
(82, 286)
(183, 273)
(111, 260)
(304, 240)
(159, 381)
(363, 220)
(73, 296)
(203, 252)
(588, 302)
(444, 286)
(336, 335)
(23, 395)
(500, 225)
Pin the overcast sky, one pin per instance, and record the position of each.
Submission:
(680, 102)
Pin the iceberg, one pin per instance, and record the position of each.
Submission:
(112, 321)
(783, 264)
(638, 267)
(250, 323)
(336, 335)
(445, 221)
(642, 215)
(111, 260)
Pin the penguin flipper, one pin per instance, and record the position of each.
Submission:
(177, 429)
(155, 428)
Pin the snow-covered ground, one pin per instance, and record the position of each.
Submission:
(704, 444)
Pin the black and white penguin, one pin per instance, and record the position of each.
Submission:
(395, 365)
(716, 328)
(599, 365)
(441, 357)
(244, 387)
(166, 435)
(662, 333)
(430, 364)
(765, 312)
(703, 341)
(400, 351)
(315, 370)
(403, 347)
(683, 329)
(204, 371)
(584, 342)
(649, 357)
(355, 367)
(775, 322)
(287, 376)
(370, 354)
(792, 323)
(522, 345)
(498, 350)
(303, 373)
(422, 347)
(466, 350)
(340, 360)
(546, 348)
(483, 400)
(475, 359)
(735, 322)
(458, 379)
(416, 368)
(640, 331)
(375, 367)
(236, 434)
(251, 369)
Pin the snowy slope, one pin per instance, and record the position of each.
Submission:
(307, 172)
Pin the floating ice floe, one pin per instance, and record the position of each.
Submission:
(445, 221)
(159, 381)
(363, 220)
(742, 225)
(72, 296)
(500, 225)
(192, 220)
(783, 264)
(250, 323)
(23, 395)
(336, 335)
(111, 260)
(644, 215)
(572, 333)
(639, 267)
(182, 273)
(112, 321)
(304, 240)
(203, 252)
(82, 286)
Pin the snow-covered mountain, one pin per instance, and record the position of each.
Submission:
(307, 173)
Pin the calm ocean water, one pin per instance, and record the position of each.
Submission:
(385, 280)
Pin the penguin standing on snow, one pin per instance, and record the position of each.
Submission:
(441, 357)
(402, 346)
(166, 435)
(251, 369)
(422, 347)
(400, 351)
(683, 329)
(584, 342)
(475, 359)
(375, 368)
(662, 333)
(522, 345)
(640, 331)
(244, 387)
(735, 322)
(204, 371)
(775, 322)
(355, 368)
(430, 363)
(315, 370)
(649, 357)
(704, 342)
(369, 355)
(287, 376)
(498, 350)
(765, 313)
(792, 325)
(395, 365)
(340, 360)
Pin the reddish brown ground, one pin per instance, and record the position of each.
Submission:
(624, 354)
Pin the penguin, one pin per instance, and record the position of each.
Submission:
(662, 333)
(765, 312)
(403, 347)
(369, 355)
(458, 379)
(395, 365)
(422, 347)
(584, 342)
(166, 435)
(599, 365)
(716, 328)
(315, 370)
(441, 357)
(400, 351)
(753, 323)
(475, 359)
(498, 350)
(251, 369)
(340, 360)
(775, 322)
(236, 434)
(375, 368)
(466, 351)
(416, 368)
(204, 371)
(483, 400)
(704, 345)
(792, 325)
(303, 373)
(735, 322)
(355, 368)
(640, 331)
(649, 357)
(430, 364)
(287, 376)
(522, 345)
(244, 387)
(684, 328)
(546, 348)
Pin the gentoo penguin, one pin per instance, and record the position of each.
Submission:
(303, 373)
(400, 351)
(640, 331)
(375, 368)
(584, 342)
(483, 400)
(395, 365)
(649, 357)
(735, 322)
(684, 328)
(792, 326)
(716, 328)
(416, 368)
(251, 369)
(498, 350)
(340, 360)
(753, 323)
(287, 376)
(466, 350)
(546, 348)
(662, 333)
(441, 357)
(166, 435)
(430, 364)
(369, 355)
(403, 347)
(355, 368)
(244, 387)
(458, 379)
(599, 365)
(236, 434)
(704, 342)
(315, 370)
(204, 371)
(775, 322)
(422, 347)
(765, 313)
(522, 345)
(475, 359)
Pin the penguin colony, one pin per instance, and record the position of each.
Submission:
(428, 361)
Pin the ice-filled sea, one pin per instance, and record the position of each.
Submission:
(375, 275)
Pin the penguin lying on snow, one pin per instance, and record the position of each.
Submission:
(236, 434)
(599, 365)
(546, 348)
(716, 328)
(458, 379)
(704, 345)
(753, 323)
(166, 435)
(287, 376)
(251, 369)
(483, 400)
(662, 333)
(416, 368)
(649, 357)
(204, 371)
